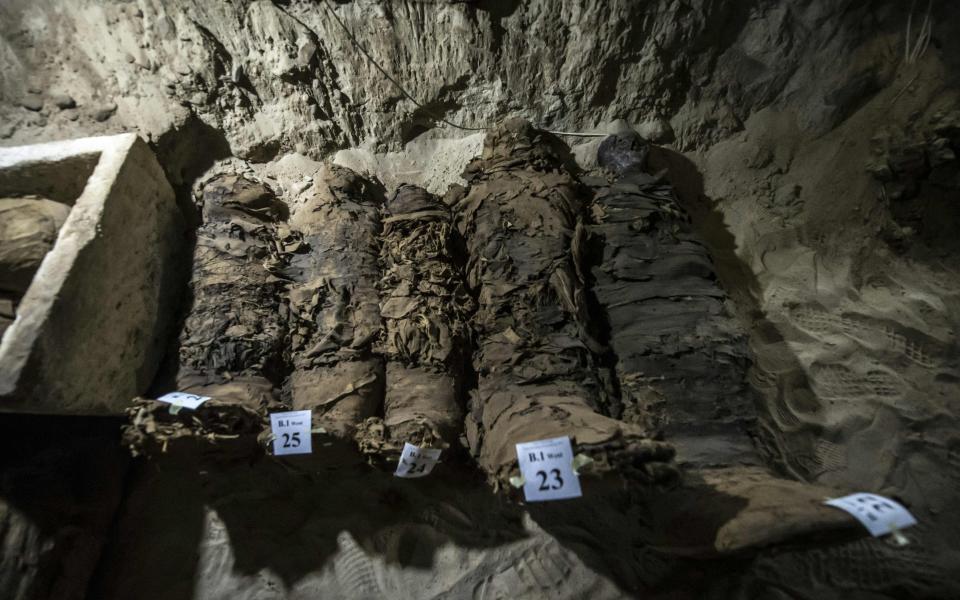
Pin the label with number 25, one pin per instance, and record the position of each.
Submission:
(291, 432)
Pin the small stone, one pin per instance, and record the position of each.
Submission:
(758, 157)
(880, 171)
(128, 57)
(32, 102)
(297, 188)
(940, 152)
(71, 114)
(63, 101)
(104, 111)
(787, 195)
(657, 131)
(909, 161)
(881, 139)
(35, 120)
(896, 190)
(164, 28)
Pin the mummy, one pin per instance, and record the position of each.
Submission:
(535, 360)
(334, 304)
(681, 363)
(426, 310)
(232, 342)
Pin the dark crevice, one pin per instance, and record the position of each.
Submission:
(426, 117)
(222, 56)
(498, 11)
(113, 536)
(591, 257)
(184, 153)
(60, 491)
(470, 379)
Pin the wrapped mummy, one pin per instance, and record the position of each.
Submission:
(536, 357)
(426, 310)
(681, 363)
(28, 230)
(232, 343)
(334, 304)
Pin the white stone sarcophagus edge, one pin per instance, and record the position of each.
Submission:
(91, 328)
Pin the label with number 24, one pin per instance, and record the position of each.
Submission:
(417, 462)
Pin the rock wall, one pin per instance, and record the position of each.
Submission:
(272, 77)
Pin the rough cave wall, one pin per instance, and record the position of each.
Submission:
(281, 76)
(814, 154)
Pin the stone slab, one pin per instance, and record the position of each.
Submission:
(91, 328)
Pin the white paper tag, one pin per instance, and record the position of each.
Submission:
(291, 431)
(191, 401)
(416, 462)
(878, 514)
(547, 469)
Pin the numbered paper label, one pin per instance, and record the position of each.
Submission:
(417, 462)
(878, 514)
(191, 401)
(547, 469)
(291, 432)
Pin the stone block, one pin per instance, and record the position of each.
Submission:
(88, 332)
